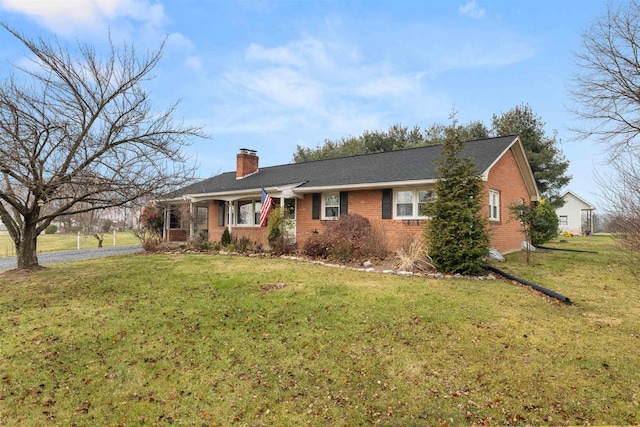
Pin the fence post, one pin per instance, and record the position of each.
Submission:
(114, 237)
(78, 240)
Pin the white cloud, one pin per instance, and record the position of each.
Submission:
(472, 10)
(324, 88)
(392, 86)
(301, 53)
(65, 16)
(279, 87)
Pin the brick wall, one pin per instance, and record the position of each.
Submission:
(506, 178)
(176, 235)
(367, 203)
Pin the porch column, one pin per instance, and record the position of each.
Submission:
(165, 227)
(191, 221)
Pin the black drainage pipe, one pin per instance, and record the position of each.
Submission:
(542, 289)
(566, 250)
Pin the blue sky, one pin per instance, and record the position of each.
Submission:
(270, 75)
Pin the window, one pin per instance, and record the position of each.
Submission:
(563, 220)
(331, 206)
(494, 205)
(245, 212)
(175, 217)
(290, 209)
(423, 197)
(256, 212)
(409, 204)
(248, 212)
(202, 218)
(404, 203)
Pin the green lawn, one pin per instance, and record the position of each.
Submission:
(63, 242)
(203, 340)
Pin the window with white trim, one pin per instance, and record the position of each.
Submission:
(248, 212)
(331, 206)
(563, 220)
(494, 205)
(409, 203)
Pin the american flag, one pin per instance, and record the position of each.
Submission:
(265, 208)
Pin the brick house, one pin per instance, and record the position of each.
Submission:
(388, 188)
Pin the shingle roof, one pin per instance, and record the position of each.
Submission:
(391, 166)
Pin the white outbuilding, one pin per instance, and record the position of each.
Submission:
(576, 216)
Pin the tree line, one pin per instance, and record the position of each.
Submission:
(548, 164)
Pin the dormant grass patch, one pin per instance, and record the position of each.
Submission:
(209, 340)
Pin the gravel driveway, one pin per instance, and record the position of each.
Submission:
(68, 256)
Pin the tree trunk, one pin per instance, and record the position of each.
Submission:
(26, 248)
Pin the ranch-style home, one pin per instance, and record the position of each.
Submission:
(388, 188)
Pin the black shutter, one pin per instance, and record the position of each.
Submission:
(315, 207)
(386, 204)
(220, 213)
(344, 203)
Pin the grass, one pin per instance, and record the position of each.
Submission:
(63, 242)
(202, 340)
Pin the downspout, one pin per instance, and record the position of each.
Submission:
(539, 288)
(566, 250)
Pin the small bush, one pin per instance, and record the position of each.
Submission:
(225, 239)
(342, 251)
(317, 246)
(51, 229)
(545, 224)
(151, 244)
(375, 244)
(345, 239)
(244, 245)
(282, 246)
(351, 228)
(201, 241)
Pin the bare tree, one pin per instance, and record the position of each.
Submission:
(607, 95)
(621, 190)
(78, 133)
(607, 88)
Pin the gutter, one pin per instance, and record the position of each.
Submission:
(539, 288)
(566, 250)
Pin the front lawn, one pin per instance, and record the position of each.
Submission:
(204, 340)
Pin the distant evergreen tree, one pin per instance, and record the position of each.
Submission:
(456, 235)
(548, 164)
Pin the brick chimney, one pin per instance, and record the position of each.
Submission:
(246, 163)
